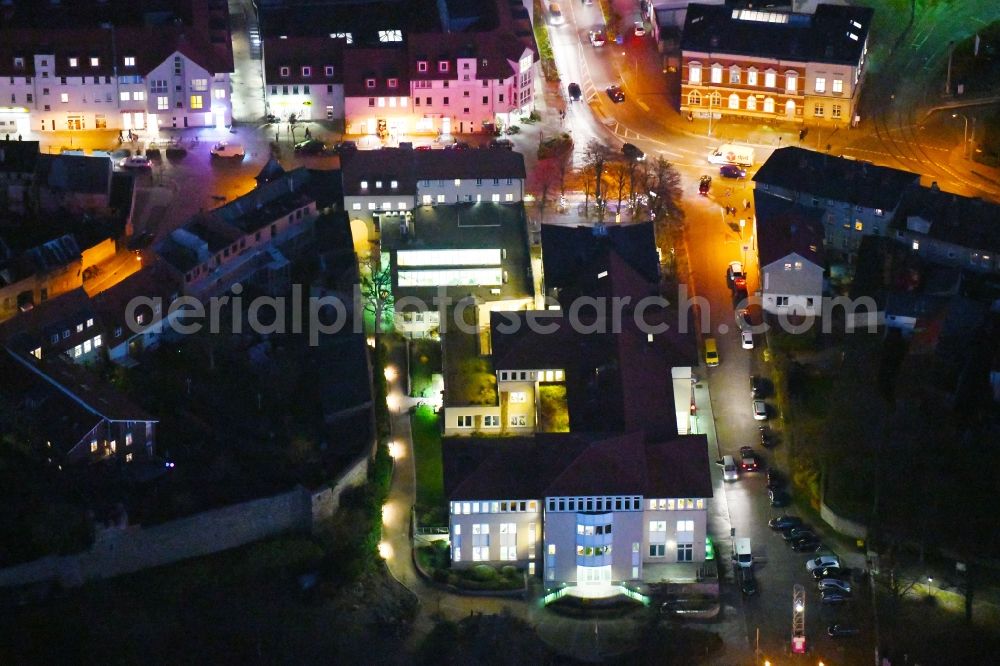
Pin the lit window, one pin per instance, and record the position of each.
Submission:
(125, 95)
(220, 93)
(751, 77)
(694, 98)
(837, 86)
(734, 74)
(64, 97)
(378, 184)
(769, 105)
(401, 205)
(734, 101)
(364, 184)
(381, 101)
(694, 73)
(79, 328)
(716, 73)
(770, 79)
(440, 198)
(820, 84)
(394, 184)
(94, 62)
(196, 102)
(791, 82)
(139, 95)
(386, 205)
(858, 226)
(371, 205)
(73, 62)
(356, 206)
(458, 181)
(390, 35)
(162, 103)
(751, 103)
(93, 446)
(130, 61)
(916, 245)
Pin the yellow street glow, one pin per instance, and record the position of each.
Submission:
(390, 373)
(384, 550)
(393, 401)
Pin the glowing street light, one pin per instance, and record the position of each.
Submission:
(390, 373)
(384, 550)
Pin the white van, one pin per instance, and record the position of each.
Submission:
(729, 470)
(741, 553)
(226, 149)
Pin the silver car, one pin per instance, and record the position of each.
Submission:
(835, 584)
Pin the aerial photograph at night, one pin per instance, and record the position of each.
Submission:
(499, 332)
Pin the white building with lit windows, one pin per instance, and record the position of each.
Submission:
(136, 70)
(303, 76)
(747, 63)
(593, 513)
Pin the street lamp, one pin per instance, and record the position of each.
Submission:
(929, 581)
(965, 135)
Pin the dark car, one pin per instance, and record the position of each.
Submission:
(458, 145)
(775, 479)
(505, 144)
(794, 533)
(767, 438)
(632, 152)
(345, 147)
(779, 498)
(732, 171)
(310, 147)
(575, 93)
(749, 461)
(783, 522)
(748, 582)
(834, 597)
(758, 387)
(616, 94)
(807, 545)
(704, 185)
(841, 631)
(821, 573)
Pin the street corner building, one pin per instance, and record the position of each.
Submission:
(759, 64)
(594, 515)
(114, 64)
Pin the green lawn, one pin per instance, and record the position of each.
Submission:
(554, 413)
(425, 361)
(427, 457)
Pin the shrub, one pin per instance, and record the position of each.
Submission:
(482, 572)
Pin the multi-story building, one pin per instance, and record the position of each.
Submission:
(592, 512)
(114, 64)
(382, 185)
(18, 160)
(857, 198)
(392, 72)
(749, 63)
(64, 326)
(790, 253)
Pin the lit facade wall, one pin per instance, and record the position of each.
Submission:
(750, 87)
(47, 102)
(466, 190)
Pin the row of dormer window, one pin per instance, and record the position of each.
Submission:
(752, 78)
(307, 71)
(73, 61)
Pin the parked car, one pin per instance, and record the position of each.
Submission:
(779, 498)
(732, 171)
(784, 521)
(793, 533)
(746, 339)
(729, 470)
(555, 14)
(226, 149)
(575, 93)
(758, 389)
(834, 584)
(830, 572)
(823, 561)
(597, 38)
(136, 162)
(747, 580)
(748, 459)
(767, 438)
(460, 145)
(734, 270)
(743, 318)
(345, 147)
(704, 185)
(310, 147)
(759, 410)
(807, 545)
(775, 479)
(505, 144)
(833, 597)
(841, 631)
(616, 94)
(639, 29)
(632, 152)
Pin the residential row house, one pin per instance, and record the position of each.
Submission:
(249, 240)
(857, 198)
(387, 185)
(71, 416)
(593, 514)
(775, 65)
(391, 82)
(790, 256)
(113, 65)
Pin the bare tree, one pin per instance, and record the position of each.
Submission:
(586, 176)
(663, 183)
(376, 288)
(595, 158)
(545, 178)
(619, 170)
